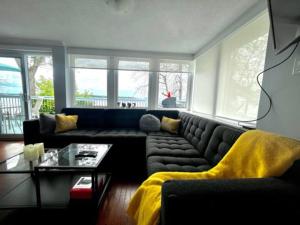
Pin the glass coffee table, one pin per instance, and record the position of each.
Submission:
(50, 179)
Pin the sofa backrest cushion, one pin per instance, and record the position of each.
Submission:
(123, 118)
(167, 113)
(220, 142)
(87, 118)
(196, 130)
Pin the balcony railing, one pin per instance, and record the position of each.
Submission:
(12, 113)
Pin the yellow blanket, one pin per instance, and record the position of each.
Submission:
(256, 154)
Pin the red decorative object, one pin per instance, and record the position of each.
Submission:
(83, 190)
(168, 95)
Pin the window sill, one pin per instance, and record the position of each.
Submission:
(227, 121)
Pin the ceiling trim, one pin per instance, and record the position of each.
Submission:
(129, 53)
(29, 42)
(239, 22)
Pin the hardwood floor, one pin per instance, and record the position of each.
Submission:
(112, 211)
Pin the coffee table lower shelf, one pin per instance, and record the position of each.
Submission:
(54, 188)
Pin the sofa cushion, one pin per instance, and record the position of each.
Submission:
(122, 133)
(87, 118)
(162, 133)
(65, 122)
(160, 113)
(220, 142)
(78, 133)
(176, 164)
(121, 136)
(196, 130)
(169, 146)
(65, 138)
(47, 123)
(123, 118)
(149, 123)
(170, 125)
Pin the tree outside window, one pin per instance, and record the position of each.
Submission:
(173, 81)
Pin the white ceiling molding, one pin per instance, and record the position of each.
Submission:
(29, 42)
(128, 53)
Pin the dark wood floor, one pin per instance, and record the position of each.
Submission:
(113, 209)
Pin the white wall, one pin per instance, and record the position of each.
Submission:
(284, 89)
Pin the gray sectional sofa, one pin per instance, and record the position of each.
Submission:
(199, 145)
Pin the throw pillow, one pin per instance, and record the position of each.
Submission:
(65, 123)
(149, 123)
(47, 123)
(170, 125)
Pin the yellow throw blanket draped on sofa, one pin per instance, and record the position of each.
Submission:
(256, 154)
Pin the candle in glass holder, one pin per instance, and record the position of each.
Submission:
(30, 153)
(40, 149)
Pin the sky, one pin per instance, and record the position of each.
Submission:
(11, 83)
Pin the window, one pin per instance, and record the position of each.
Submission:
(133, 82)
(41, 89)
(225, 75)
(205, 78)
(89, 80)
(99, 81)
(173, 85)
(242, 58)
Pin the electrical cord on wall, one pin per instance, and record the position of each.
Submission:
(264, 91)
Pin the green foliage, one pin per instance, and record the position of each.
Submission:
(47, 106)
(84, 102)
(45, 87)
(84, 94)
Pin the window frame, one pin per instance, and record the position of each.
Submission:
(72, 78)
(189, 81)
(116, 69)
(113, 78)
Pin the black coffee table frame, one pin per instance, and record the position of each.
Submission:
(63, 176)
(97, 194)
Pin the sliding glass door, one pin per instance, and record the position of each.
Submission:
(13, 102)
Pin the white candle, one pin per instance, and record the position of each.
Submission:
(40, 149)
(30, 153)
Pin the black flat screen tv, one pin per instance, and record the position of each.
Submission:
(285, 23)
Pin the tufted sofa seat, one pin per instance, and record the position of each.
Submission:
(200, 145)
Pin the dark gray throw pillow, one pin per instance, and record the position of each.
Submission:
(149, 123)
(47, 123)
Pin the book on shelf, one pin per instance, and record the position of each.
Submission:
(83, 187)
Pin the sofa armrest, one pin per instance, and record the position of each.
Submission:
(31, 130)
(193, 201)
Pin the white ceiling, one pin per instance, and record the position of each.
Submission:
(179, 26)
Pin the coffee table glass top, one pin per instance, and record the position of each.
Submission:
(66, 157)
(17, 163)
(54, 158)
